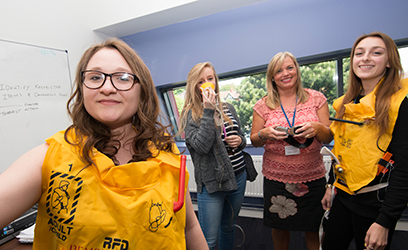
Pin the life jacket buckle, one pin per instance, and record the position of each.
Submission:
(384, 163)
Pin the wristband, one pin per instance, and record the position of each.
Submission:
(259, 134)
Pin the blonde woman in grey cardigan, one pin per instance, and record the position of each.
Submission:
(214, 138)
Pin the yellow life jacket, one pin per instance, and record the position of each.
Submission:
(106, 206)
(356, 145)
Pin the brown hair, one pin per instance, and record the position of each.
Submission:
(389, 86)
(92, 133)
(273, 99)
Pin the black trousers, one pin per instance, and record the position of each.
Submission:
(344, 225)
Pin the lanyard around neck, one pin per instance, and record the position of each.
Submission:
(294, 114)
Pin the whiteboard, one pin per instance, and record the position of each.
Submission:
(35, 85)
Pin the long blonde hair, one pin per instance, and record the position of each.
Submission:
(193, 97)
(273, 98)
(389, 86)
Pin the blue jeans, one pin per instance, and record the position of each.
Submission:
(218, 212)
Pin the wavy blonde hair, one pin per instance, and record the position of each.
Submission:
(273, 98)
(193, 97)
(390, 85)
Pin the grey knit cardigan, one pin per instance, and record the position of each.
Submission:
(212, 165)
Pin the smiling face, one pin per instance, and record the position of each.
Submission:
(285, 77)
(108, 105)
(370, 60)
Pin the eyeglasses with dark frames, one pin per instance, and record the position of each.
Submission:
(122, 81)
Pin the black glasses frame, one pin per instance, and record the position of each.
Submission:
(136, 80)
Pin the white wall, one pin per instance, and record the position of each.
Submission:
(64, 25)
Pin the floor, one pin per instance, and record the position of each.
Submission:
(257, 236)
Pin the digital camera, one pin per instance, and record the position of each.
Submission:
(289, 131)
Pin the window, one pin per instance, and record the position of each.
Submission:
(174, 102)
(404, 60)
(322, 77)
(249, 90)
(327, 74)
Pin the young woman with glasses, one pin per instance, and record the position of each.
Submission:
(110, 180)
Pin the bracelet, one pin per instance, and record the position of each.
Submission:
(259, 134)
(328, 186)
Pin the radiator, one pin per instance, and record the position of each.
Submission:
(253, 189)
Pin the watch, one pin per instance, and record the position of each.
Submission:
(328, 185)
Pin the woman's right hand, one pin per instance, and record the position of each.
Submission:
(327, 199)
(209, 98)
(273, 134)
(260, 134)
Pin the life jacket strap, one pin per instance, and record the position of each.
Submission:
(292, 141)
(372, 188)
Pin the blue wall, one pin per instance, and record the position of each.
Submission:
(249, 36)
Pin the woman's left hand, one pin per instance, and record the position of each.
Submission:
(307, 130)
(327, 199)
(320, 130)
(233, 141)
(376, 237)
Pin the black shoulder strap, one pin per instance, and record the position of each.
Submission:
(292, 141)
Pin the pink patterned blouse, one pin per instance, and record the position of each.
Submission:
(304, 167)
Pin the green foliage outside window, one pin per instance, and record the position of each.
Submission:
(251, 89)
(346, 73)
(321, 77)
(179, 97)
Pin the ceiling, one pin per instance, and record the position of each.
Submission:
(155, 16)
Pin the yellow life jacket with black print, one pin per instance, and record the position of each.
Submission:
(355, 146)
(105, 206)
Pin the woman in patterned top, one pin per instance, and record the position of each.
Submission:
(215, 141)
(291, 123)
